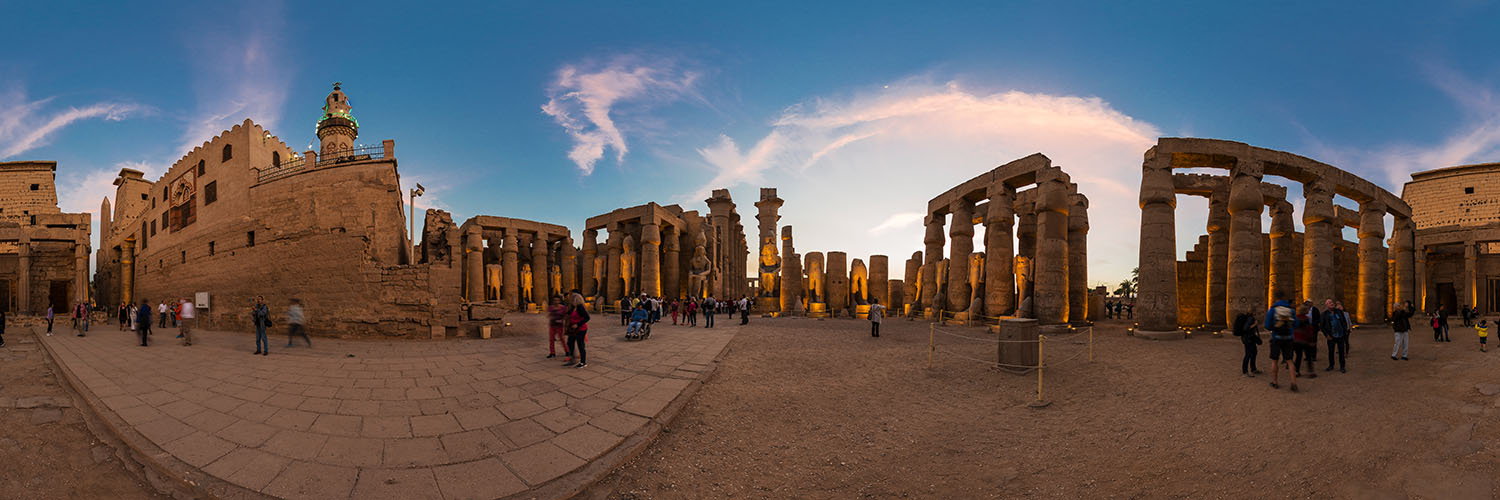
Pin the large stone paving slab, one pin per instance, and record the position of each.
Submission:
(373, 419)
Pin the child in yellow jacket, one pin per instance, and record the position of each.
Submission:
(1484, 333)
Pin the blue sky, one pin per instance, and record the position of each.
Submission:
(857, 112)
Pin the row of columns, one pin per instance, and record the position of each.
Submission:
(478, 276)
(1237, 274)
(1049, 267)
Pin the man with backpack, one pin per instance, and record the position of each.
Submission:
(1280, 320)
(709, 307)
(1244, 328)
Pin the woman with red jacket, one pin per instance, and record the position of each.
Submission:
(578, 331)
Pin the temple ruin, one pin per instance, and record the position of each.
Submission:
(666, 251)
(1456, 211)
(43, 251)
(1238, 267)
(1050, 268)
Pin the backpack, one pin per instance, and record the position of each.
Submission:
(1283, 317)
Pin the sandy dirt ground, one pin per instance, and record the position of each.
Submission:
(818, 409)
(45, 448)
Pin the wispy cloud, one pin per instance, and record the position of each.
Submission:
(859, 160)
(27, 124)
(584, 99)
(897, 221)
(1476, 138)
(238, 74)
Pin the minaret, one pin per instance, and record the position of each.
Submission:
(338, 128)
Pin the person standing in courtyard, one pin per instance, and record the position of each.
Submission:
(49, 321)
(692, 312)
(1305, 340)
(1483, 329)
(1401, 323)
(1464, 314)
(295, 319)
(1334, 324)
(185, 323)
(1244, 328)
(744, 306)
(557, 323)
(1280, 320)
(877, 313)
(161, 314)
(1442, 317)
(709, 305)
(260, 317)
(578, 331)
(672, 309)
(143, 322)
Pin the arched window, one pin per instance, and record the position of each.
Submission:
(228, 152)
(275, 159)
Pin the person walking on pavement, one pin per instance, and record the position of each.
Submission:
(143, 322)
(557, 326)
(1442, 317)
(1244, 328)
(161, 315)
(260, 316)
(744, 306)
(295, 318)
(709, 305)
(1483, 329)
(185, 326)
(80, 315)
(1401, 323)
(49, 321)
(578, 331)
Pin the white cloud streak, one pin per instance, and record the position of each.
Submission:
(238, 75)
(26, 125)
(584, 98)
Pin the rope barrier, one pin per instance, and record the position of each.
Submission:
(1041, 342)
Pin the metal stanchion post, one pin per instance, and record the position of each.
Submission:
(1040, 364)
(1091, 343)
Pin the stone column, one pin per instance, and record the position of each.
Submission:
(1025, 267)
(1051, 282)
(569, 266)
(999, 254)
(613, 287)
(651, 259)
(768, 206)
(909, 284)
(1283, 252)
(1318, 271)
(474, 265)
(962, 235)
(81, 273)
(791, 272)
(1218, 257)
(1245, 287)
(1471, 276)
(1156, 295)
(510, 270)
(836, 276)
(1403, 273)
(934, 242)
(540, 270)
(880, 275)
(24, 274)
(1423, 294)
(1078, 259)
(1372, 255)
(127, 272)
(590, 251)
(671, 248)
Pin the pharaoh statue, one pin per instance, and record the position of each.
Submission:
(699, 268)
(770, 269)
(976, 280)
(627, 265)
(916, 299)
(525, 287)
(600, 261)
(859, 283)
(556, 279)
(940, 299)
(815, 283)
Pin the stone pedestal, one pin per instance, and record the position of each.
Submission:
(817, 308)
(1017, 349)
(862, 312)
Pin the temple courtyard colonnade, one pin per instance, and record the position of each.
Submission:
(1239, 267)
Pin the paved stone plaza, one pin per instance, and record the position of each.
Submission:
(374, 419)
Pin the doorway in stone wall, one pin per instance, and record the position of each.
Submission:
(1493, 304)
(4, 296)
(1446, 298)
(57, 297)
